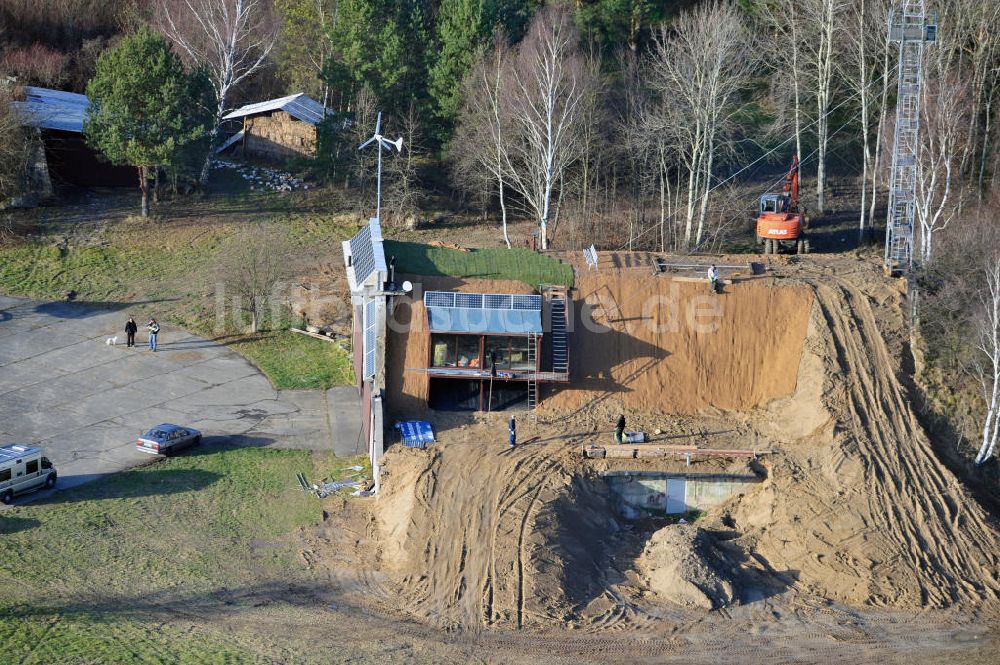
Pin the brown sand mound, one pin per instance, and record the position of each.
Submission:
(653, 343)
(682, 565)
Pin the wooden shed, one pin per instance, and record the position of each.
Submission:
(65, 159)
(277, 129)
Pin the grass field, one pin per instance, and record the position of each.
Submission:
(291, 360)
(167, 269)
(521, 265)
(89, 575)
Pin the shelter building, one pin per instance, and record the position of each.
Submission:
(460, 349)
(493, 344)
(277, 129)
(65, 158)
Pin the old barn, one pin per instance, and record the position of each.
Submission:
(68, 160)
(277, 129)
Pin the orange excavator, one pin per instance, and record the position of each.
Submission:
(780, 222)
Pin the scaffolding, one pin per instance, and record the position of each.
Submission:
(909, 26)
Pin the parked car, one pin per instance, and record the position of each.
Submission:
(166, 438)
(23, 469)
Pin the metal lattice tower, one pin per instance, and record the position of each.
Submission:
(909, 26)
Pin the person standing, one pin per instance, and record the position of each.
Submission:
(512, 428)
(154, 329)
(620, 429)
(713, 278)
(130, 330)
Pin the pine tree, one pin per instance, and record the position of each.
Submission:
(145, 109)
(463, 29)
(382, 44)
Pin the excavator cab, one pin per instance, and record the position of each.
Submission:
(775, 203)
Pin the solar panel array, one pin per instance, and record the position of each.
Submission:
(469, 300)
(482, 300)
(439, 299)
(367, 255)
(369, 341)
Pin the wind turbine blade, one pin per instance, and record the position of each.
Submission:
(365, 144)
(378, 123)
(385, 144)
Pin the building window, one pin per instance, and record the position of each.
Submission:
(519, 353)
(510, 352)
(455, 351)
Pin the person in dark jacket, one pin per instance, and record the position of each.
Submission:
(513, 432)
(620, 429)
(130, 330)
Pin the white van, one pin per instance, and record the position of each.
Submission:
(22, 469)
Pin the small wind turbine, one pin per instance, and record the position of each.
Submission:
(388, 145)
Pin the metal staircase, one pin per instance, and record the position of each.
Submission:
(908, 26)
(559, 340)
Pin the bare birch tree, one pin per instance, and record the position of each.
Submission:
(548, 83)
(402, 194)
(698, 67)
(785, 20)
(865, 63)
(820, 43)
(230, 38)
(481, 138)
(944, 134)
(989, 348)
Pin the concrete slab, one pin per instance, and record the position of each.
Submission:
(345, 420)
(86, 402)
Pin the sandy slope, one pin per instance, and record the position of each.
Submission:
(856, 512)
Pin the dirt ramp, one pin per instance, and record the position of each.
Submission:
(870, 516)
(655, 344)
(456, 524)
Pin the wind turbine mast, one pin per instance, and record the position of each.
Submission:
(385, 144)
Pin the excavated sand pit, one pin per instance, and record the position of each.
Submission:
(855, 513)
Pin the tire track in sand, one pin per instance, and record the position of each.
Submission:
(912, 500)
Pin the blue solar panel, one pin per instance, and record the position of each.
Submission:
(370, 337)
(470, 300)
(496, 301)
(526, 302)
(439, 299)
(367, 255)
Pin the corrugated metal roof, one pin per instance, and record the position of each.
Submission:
(300, 106)
(53, 109)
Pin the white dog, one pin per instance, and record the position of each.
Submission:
(111, 341)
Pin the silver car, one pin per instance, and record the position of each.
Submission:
(166, 438)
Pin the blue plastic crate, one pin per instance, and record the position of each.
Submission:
(415, 433)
